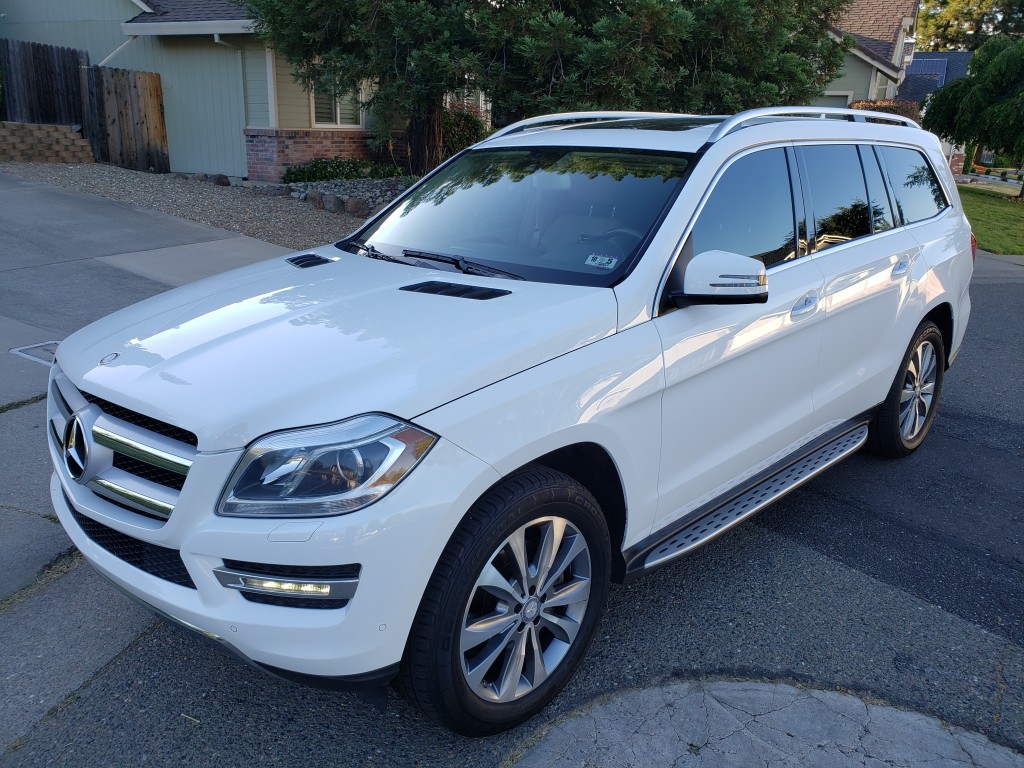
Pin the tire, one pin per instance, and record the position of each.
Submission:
(902, 422)
(478, 688)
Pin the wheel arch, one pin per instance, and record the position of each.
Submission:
(593, 467)
(942, 316)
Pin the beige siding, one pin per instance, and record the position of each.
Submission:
(292, 101)
(257, 98)
(856, 78)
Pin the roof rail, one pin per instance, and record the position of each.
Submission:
(853, 115)
(567, 118)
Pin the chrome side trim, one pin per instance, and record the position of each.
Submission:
(138, 450)
(133, 498)
(340, 589)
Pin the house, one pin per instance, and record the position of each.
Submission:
(928, 72)
(882, 31)
(230, 105)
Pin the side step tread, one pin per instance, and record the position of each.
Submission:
(731, 511)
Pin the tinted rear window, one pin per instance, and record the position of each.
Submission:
(839, 198)
(917, 191)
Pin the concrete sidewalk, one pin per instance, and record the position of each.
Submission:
(719, 724)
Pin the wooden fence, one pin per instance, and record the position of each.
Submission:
(41, 83)
(121, 111)
(125, 118)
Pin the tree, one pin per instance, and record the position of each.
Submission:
(404, 56)
(965, 25)
(538, 56)
(987, 106)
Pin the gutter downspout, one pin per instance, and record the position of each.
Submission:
(217, 39)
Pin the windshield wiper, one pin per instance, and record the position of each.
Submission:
(465, 266)
(371, 252)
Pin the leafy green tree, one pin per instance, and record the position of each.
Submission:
(538, 56)
(987, 106)
(407, 53)
(965, 25)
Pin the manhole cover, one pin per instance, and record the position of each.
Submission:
(41, 353)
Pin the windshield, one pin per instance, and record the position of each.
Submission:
(551, 214)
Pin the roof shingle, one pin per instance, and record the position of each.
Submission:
(169, 11)
(875, 25)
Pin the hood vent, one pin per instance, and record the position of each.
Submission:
(307, 260)
(455, 289)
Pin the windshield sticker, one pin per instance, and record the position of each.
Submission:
(601, 261)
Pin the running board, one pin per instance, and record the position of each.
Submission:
(718, 516)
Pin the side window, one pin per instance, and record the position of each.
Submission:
(839, 198)
(917, 191)
(881, 211)
(750, 211)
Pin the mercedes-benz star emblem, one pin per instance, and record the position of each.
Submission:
(109, 358)
(76, 449)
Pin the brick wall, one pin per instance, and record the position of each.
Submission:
(956, 162)
(270, 150)
(33, 143)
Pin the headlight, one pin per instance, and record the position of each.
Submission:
(324, 471)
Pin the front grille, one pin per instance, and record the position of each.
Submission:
(140, 463)
(162, 562)
(149, 472)
(145, 422)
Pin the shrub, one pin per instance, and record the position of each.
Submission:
(1020, 177)
(900, 107)
(326, 169)
(988, 171)
(1002, 175)
(461, 127)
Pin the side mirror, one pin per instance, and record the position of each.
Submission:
(722, 277)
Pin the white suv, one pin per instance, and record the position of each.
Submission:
(571, 354)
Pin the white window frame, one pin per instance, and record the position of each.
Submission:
(360, 125)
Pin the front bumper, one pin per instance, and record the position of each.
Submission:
(396, 541)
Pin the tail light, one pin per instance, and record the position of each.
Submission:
(974, 247)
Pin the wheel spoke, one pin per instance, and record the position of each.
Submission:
(928, 389)
(517, 546)
(512, 669)
(574, 592)
(907, 417)
(927, 363)
(475, 674)
(492, 582)
(550, 543)
(538, 666)
(484, 629)
(908, 393)
(562, 627)
(573, 546)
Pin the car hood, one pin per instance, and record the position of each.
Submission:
(271, 346)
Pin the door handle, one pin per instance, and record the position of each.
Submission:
(807, 303)
(902, 267)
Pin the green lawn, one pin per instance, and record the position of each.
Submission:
(997, 220)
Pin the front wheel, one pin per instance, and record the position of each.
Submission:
(903, 421)
(512, 606)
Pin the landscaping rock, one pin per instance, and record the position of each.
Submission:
(181, 176)
(316, 197)
(200, 177)
(333, 203)
(220, 180)
(357, 207)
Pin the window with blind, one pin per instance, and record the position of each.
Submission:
(328, 111)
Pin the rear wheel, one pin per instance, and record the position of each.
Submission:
(903, 421)
(512, 606)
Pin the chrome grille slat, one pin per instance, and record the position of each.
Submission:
(160, 451)
(139, 463)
